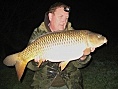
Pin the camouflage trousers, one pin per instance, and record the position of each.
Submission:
(63, 87)
(50, 77)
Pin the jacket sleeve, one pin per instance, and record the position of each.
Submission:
(81, 63)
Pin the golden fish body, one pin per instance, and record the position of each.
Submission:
(53, 45)
(56, 47)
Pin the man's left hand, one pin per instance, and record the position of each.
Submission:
(86, 52)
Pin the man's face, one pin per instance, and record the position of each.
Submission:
(58, 19)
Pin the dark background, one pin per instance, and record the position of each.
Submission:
(18, 19)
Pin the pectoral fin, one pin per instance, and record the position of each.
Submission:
(87, 51)
(63, 64)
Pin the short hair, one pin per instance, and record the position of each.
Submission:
(57, 5)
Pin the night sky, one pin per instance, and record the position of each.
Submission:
(18, 19)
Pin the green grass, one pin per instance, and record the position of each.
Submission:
(8, 79)
(101, 73)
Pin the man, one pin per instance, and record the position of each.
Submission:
(48, 75)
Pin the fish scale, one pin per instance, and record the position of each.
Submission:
(56, 43)
(62, 47)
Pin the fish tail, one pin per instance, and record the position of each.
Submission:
(11, 60)
(20, 65)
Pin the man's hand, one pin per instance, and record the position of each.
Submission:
(87, 51)
(37, 59)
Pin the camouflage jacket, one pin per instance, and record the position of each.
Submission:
(49, 70)
(42, 30)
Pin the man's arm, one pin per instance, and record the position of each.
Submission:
(84, 60)
(36, 33)
(82, 63)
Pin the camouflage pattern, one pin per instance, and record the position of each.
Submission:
(49, 75)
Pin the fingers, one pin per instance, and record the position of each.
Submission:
(83, 57)
(92, 49)
(36, 59)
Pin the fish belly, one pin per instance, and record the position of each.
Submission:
(63, 53)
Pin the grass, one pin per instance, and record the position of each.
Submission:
(101, 73)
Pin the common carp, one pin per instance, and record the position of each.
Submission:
(60, 47)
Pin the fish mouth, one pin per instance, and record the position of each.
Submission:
(105, 40)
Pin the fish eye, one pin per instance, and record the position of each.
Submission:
(99, 36)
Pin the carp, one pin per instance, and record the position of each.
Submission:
(62, 47)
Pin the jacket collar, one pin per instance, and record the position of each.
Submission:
(46, 21)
